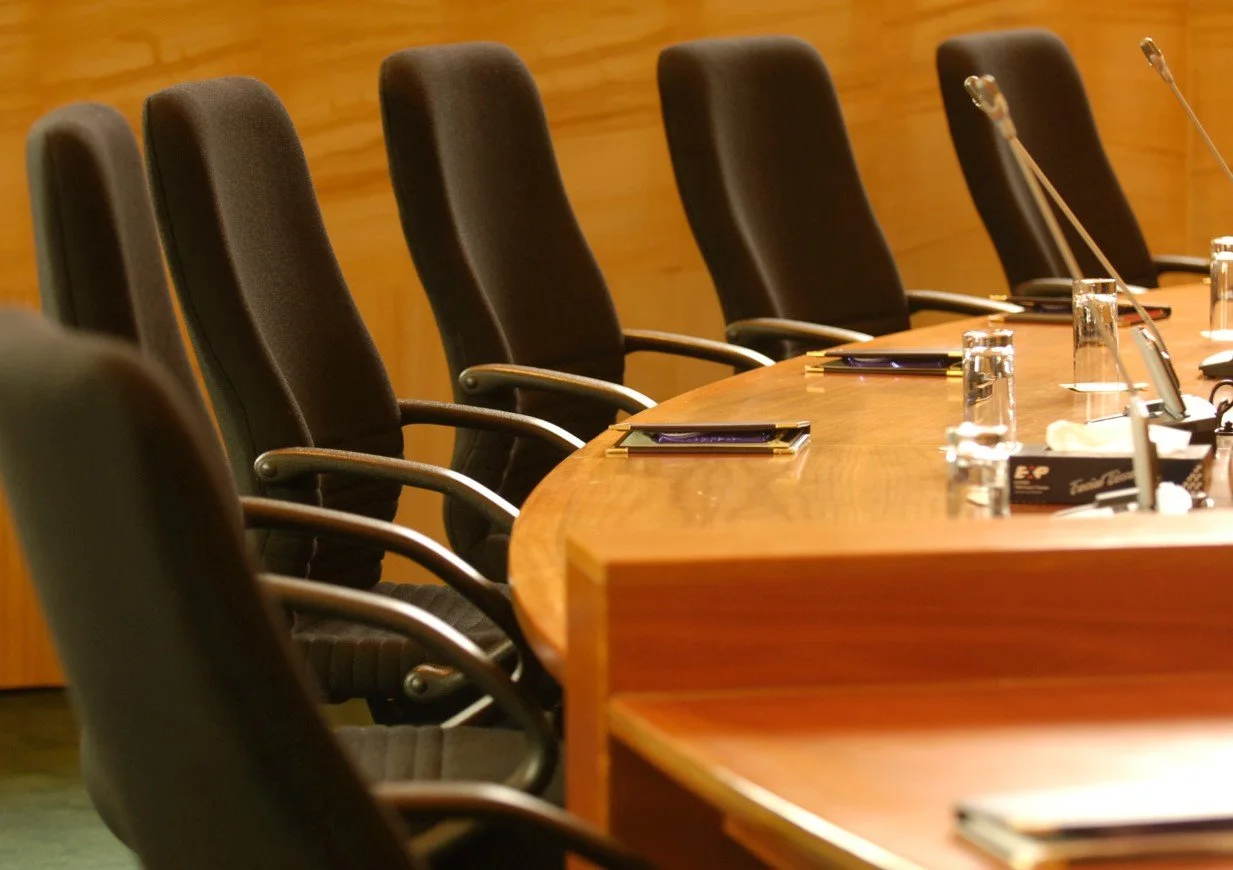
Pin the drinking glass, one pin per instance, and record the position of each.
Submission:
(1095, 332)
(978, 484)
(1221, 322)
(988, 338)
(989, 379)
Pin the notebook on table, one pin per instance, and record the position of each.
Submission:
(938, 361)
(1050, 828)
(1045, 309)
(751, 438)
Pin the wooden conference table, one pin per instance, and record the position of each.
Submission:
(800, 659)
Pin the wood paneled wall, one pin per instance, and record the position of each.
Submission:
(595, 63)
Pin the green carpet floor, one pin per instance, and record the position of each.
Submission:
(46, 820)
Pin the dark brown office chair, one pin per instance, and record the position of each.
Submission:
(519, 299)
(288, 362)
(775, 200)
(101, 270)
(227, 764)
(1054, 120)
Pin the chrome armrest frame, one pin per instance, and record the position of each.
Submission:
(741, 358)
(288, 463)
(1044, 287)
(271, 513)
(1181, 263)
(480, 379)
(425, 411)
(1056, 287)
(535, 771)
(496, 803)
(957, 303)
(794, 330)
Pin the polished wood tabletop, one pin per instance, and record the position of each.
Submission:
(870, 777)
(873, 455)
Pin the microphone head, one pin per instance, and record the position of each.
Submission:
(1155, 57)
(972, 85)
(988, 97)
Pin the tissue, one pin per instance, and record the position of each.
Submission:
(1111, 436)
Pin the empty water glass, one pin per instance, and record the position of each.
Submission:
(1095, 333)
(988, 338)
(1221, 322)
(989, 379)
(978, 484)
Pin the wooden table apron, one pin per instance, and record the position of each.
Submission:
(873, 456)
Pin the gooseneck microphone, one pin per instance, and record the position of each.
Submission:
(988, 97)
(1157, 59)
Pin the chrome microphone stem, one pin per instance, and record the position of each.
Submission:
(1207, 140)
(1109, 338)
(988, 97)
(1144, 461)
(1156, 58)
(1046, 213)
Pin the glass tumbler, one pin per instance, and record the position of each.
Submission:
(1095, 332)
(1221, 322)
(978, 484)
(989, 379)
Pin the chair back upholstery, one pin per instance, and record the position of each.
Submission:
(212, 750)
(498, 248)
(771, 187)
(101, 268)
(99, 261)
(286, 358)
(1049, 105)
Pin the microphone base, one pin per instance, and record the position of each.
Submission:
(1199, 419)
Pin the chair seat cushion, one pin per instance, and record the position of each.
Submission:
(428, 753)
(350, 660)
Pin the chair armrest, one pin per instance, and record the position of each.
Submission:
(1044, 287)
(1181, 263)
(536, 769)
(470, 417)
(487, 378)
(496, 803)
(957, 303)
(271, 513)
(288, 463)
(1056, 287)
(697, 348)
(798, 330)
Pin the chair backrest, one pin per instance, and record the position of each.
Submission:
(1050, 109)
(498, 248)
(771, 187)
(209, 743)
(101, 267)
(286, 357)
(99, 261)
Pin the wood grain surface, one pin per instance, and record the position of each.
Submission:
(869, 777)
(873, 457)
(756, 607)
(808, 604)
(595, 63)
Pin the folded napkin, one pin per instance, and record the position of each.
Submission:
(1110, 436)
